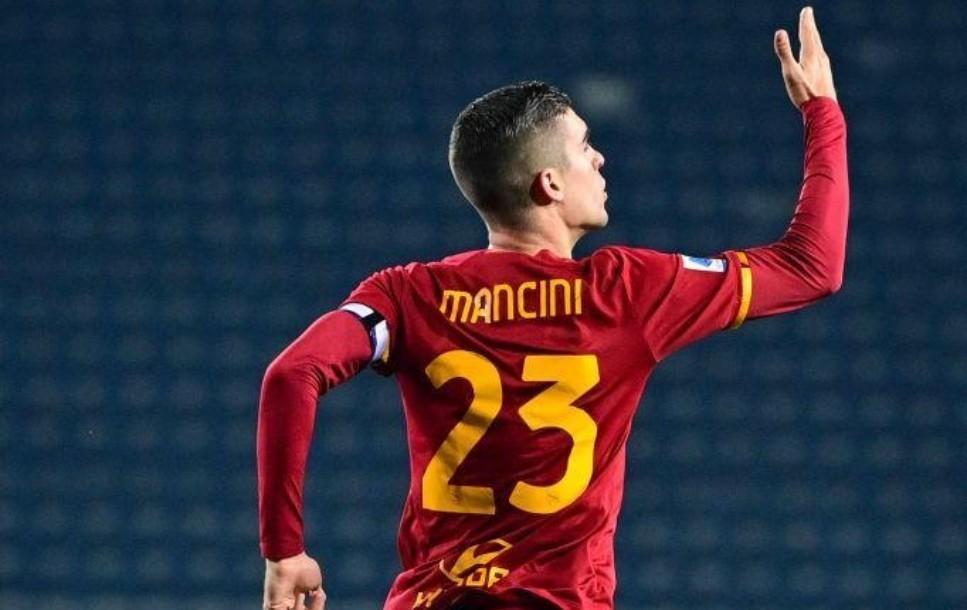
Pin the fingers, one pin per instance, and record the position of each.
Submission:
(277, 596)
(279, 604)
(810, 76)
(783, 48)
(817, 41)
(805, 36)
(810, 44)
(298, 601)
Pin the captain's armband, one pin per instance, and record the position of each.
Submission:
(375, 325)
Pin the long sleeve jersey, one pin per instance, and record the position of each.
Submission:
(519, 376)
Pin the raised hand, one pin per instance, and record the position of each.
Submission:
(811, 76)
(292, 582)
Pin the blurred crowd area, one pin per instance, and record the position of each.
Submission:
(187, 184)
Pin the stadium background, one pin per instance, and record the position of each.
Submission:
(187, 184)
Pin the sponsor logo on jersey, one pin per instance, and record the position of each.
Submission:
(716, 265)
(529, 300)
(471, 567)
(474, 567)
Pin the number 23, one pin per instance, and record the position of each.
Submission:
(574, 375)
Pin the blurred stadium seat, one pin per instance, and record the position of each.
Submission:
(186, 185)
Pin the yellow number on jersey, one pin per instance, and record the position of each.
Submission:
(484, 380)
(552, 408)
(574, 376)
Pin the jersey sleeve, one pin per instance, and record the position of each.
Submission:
(375, 302)
(331, 351)
(679, 299)
(676, 299)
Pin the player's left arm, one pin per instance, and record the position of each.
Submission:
(701, 296)
(808, 262)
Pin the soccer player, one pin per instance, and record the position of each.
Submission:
(520, 368)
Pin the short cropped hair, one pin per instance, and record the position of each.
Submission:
(500, 141)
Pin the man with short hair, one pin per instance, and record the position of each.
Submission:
(520, 368)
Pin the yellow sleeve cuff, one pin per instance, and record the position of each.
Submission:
(745, 277)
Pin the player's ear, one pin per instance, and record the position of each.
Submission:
(547, 187)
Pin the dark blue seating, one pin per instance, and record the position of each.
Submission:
(186, 185)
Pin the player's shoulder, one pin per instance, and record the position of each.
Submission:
(607, 259)
(621, 256)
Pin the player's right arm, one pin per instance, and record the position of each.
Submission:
(333, 349)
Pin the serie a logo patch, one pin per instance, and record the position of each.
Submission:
(715, 265)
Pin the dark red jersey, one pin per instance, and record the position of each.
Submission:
(520, 375)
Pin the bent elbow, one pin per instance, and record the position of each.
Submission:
(831, 284)
(824, 272)
(277, 370)
(835, 285)
(285, 370)
(820, 283)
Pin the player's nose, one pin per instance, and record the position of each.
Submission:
(600, 160)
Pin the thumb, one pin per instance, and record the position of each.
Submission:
(783, 48)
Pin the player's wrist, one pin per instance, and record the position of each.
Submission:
(822, 113)
(818, 100)
(281, 562)
(280, 552)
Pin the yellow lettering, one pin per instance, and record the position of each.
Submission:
(509, 299)
(527, 315)
(449, 575)
(495, 575)
(555, 283)
(543, 310)
(481, 305)
(555, 296)
(425, 599)
(455, 298)
(477, 578)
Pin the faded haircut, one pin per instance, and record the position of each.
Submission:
(500, 141)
